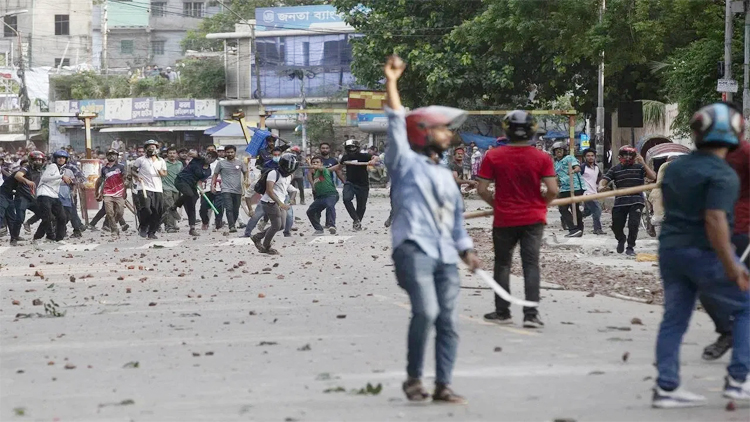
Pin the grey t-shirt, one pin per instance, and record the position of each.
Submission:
(231, 173)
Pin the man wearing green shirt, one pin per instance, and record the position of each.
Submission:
(326, 196)
(174, 166)
(563, 165)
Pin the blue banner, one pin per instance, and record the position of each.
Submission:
(301, 17)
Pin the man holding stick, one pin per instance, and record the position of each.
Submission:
(631, 172)
(428, 232)
(110, 188)
(567, 168)
(518, 170)
(696, 254)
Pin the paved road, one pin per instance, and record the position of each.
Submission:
(265, 340)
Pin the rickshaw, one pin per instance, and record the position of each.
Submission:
(656, 151)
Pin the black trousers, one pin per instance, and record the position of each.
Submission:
(567, 215)
(51, 209)
(188, 198)
(352, 191)
(151, 211)
(206, 212)
(631, 213)
(504, 240)
(231, 203)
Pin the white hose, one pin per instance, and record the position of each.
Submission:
(502, 293)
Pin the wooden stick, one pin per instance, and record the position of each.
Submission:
(572, 194)
(568, 201)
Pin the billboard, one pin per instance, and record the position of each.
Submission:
(137, 110)
(300, 17)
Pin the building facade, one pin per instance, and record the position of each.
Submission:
(51, 33)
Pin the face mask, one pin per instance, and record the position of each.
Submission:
(276, 159)
(150, 152)
(111, 159)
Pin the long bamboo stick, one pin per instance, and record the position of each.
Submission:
(568, 201)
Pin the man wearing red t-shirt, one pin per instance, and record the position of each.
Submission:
(739, 159)
(518, 171)
(112, 184)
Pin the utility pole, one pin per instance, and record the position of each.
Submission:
(600, 98)
(261, 109)
(728, 28)
(23, 92)
(105, 31)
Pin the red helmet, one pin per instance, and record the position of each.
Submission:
(419, 121)
(627, 155)
(36, 155)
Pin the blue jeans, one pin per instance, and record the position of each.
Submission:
(7, 212)
(433, 289)
(254, 220)
(593, 209)
(327, 203)
(714, 308)
(686, 272)
(21, 204)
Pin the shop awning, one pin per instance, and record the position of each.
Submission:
(154, 129)
(15, 137)
(232, 130)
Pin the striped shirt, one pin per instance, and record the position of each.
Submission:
(627, 177)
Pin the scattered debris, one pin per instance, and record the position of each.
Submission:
(636, 321)
(133, 364)
(625, 356)
(342, 316)
(596, 373)
(304, 348)
(335, 390)
(498, 349)
(152, 304)
(730, 406)
(267, 343)
(370, 390)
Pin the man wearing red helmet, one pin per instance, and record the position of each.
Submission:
(632, 171)
(428, 232)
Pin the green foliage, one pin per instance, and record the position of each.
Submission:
(202, 78)
(319, 128)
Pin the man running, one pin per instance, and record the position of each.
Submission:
(197, 171)
(696, 255)
(213, 193)
(48, 198)
(28, 178)
(325, 196)
(149, 171)
(110, 188)
(231, 171)
(563, 165)
(428, 233)
(174, 167)
(591, 176)
(518, 170)
(632, 171)
(7, 207)
(273, 202)
(356, 182)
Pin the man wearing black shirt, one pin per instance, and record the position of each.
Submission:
(27, 179)
(357, 182)
(631, 172)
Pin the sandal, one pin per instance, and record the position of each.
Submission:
(414, 390)
(271, 251)
(443, 394)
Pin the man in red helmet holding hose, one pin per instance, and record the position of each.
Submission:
(631, 172)
(428, 232)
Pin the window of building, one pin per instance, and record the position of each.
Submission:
(126, 46)
(158, 8)
(271, 51)
(62, 24)
(157, 48)
(65, 62)
(193, 9)
(11, 26)
(306, 53)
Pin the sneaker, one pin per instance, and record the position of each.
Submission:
(14, 242)
(232, 230)
(357, 226)
(677, 398)
(630, 252)
(172, 230)
(105, 228)
(286, 234)
(92, 228)
(501, 319)
(719, 348)
(620, 247)
(736, 390)
(575, 233)
(152, 236)
(443, 394)
(142, 233)
(318, 233)
(599, 232)
(193, 232)
(332, 230)
(27, 227)
(271, 251)
(204, 227)
(76, 234)
(532, 321)
(125, 227)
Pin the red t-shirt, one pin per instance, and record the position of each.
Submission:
(739, 159)
(517, 173)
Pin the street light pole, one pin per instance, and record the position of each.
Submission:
(600, 98)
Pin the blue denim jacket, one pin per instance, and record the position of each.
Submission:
(427, 205)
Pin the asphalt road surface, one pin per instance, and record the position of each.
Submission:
(210, 330)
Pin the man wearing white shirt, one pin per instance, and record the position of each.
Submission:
(273, 202)
(591, 176)
(48, 202)
(149, 170)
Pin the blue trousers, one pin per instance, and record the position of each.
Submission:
(686, 272)
(433, 288)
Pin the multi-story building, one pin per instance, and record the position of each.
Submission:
(51, 33)
(145, 32)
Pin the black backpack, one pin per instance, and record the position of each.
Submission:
(260, 185)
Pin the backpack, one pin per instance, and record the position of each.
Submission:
(260, 185)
